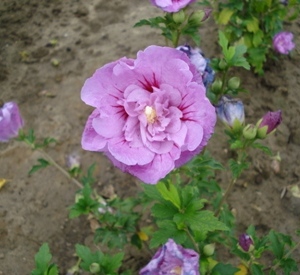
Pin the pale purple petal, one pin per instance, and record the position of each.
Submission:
(172, 258)
(10, 121)
(171, 5)
(91, 140)
(123, 152)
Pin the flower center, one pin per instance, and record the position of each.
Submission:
(150, 114)
(176, 270)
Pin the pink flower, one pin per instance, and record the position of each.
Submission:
(10, 121)
(151, 113)
(173, 259)
(171, 5)
(283, 42)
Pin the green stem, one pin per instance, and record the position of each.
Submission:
(192, 239)
(224, 81)
(61, 169)
(225, 196)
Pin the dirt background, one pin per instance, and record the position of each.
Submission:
(33, 210)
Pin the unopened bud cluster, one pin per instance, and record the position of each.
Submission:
(231, 112)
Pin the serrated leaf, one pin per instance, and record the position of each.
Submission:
(42, 261)
(52, 270)
(111, 264)
(169, 194)
(164, 210)
(252, 25)
(205, 221)
(257, 269)
(224, 269)
(167, 229)
(257, 38)
(276, 246)
(43, 163)
(225, 16)
(87, 257)
(264, 148)
(289, 265)
(237, 167)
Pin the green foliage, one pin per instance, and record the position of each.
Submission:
(175, 25)
(42, 262)
(97, 262)
(254, 23)
(30, 139)
(85, 203)
(42, 164)
(224, 269)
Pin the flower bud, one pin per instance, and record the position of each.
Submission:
(222, 64)
(231, 112)
(216, 86)
(209, 249)
(250, 131)
(10, 121)
(179, 17)
(246, 242)
(234, 83)
(268, 124)
(94, 268)
(197, 17)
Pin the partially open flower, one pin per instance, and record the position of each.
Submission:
(268, 123)
(283, 42)
(10, 121)
(230, 111)
(171, 5)
(151, 113)
(202, 64)
(246, 242)
(172, 258)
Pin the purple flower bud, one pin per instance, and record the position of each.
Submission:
(230, 110)
(10, 121)
(172, 258)
(283, 42)
(269, 123)
(201, 63)
(246, 242)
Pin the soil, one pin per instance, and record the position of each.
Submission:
(45, 79)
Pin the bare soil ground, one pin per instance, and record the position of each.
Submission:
(34, 209)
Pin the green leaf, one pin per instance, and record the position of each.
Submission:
(225, 16)
(52, 270)
(87, 257)
(164, 210)
(223, 41)
(42, 262)
(237, 167)
(43, 163)
(111, 264)
(257, 38)
(205, 221)
(152, 192)
(224, 269)
(276, 246)
(264, 148)
(288, 265)
(170, 193)
(252, 25)
(257, 269)
(167, 229)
